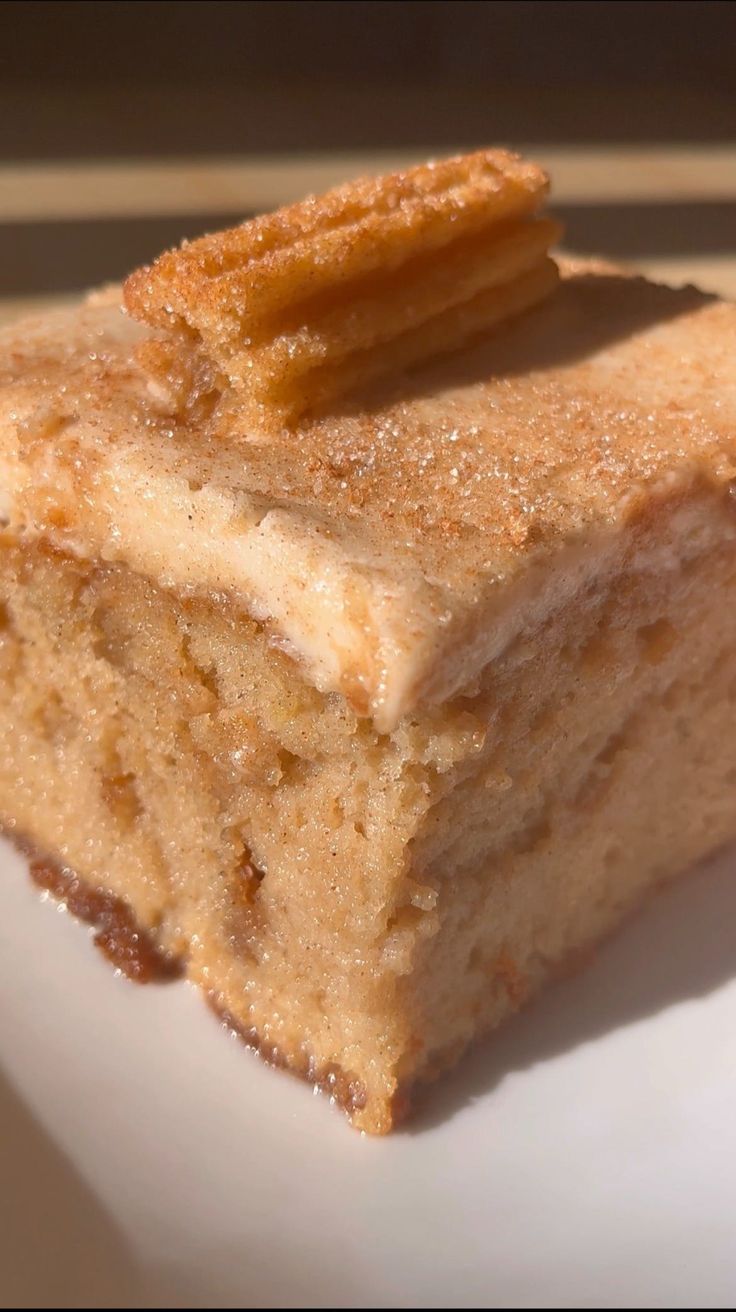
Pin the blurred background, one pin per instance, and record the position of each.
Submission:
(127, 125)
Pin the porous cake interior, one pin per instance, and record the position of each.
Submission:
(361, 904)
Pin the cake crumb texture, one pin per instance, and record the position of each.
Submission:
(362, 905)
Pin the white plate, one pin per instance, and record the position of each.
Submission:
(584, 1157)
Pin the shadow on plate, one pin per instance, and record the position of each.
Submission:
(58, 1247)
(681, 947)
(289, 1272)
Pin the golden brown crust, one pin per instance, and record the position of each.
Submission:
(299, 306)
(121, 938)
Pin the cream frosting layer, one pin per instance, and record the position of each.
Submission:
(397, 547)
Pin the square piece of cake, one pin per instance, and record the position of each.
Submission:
(368, 687)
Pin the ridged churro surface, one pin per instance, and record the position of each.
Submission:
(296, 308)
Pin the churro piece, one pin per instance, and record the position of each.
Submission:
(297, 307)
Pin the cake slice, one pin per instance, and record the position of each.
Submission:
(371, 696)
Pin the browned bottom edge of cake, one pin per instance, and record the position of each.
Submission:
(134, 952)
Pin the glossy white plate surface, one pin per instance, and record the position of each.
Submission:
(584, 1157)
